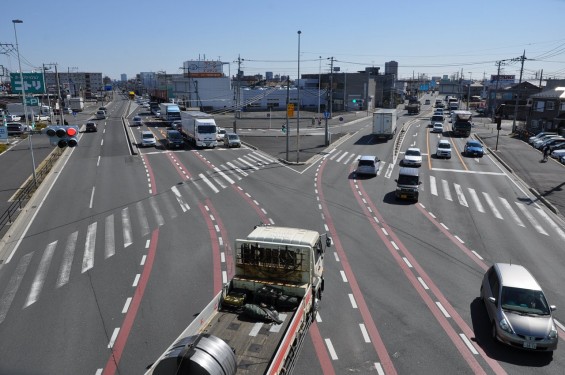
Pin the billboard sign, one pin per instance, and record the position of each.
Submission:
(33, 83)
(203, 69)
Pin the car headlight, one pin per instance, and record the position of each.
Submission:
(505, 326)
(552, 333)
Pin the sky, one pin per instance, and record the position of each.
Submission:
(434, 37)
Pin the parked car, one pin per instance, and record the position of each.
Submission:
(437, 127)
(412, 157)
(536, 143)
(16, 128)
(367, 165)
(231, 140)
(518, 311)
(557, 153)
(473, 148)
(90, 127)
(443, 149)
(10, 118)
(538, 136)
(557, 146)
(148, 139)
(549, 142)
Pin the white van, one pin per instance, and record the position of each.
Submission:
(367, 165)
(100, 114)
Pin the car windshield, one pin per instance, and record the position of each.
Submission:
(147, 135)
(443, 145)
(368, 163)
(524, 301)
(473, 144)
(413, 153)
(233, 136)
(174, 135)
(407, 180)
(206, 129)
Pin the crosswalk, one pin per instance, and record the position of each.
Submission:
(80, 251)
(517, 212)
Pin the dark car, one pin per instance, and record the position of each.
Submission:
(16, 128)
(473, 148)
(174, 139)
(90, 127)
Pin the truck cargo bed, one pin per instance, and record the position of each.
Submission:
(254, 342)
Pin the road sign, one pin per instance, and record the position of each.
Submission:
(31, 101)
(326, 115)
(290, 110)
(33, 83)
(3, 133)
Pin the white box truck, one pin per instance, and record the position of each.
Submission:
(199, 128)
(384, 123)
(170, 112)
(76, 104)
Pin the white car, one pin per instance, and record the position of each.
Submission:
(221, 134)
(558, 153)
(437, 127)
(148, 139)
(443, 149)
(412, 157)
(367, 165)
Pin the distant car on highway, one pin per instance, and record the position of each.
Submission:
(443, 149)
(473, 148)
(231, 140)
(148, 139)
(412, 157)
(137, 120)
(174, 139)
(437, 127)
(100, 115)
(90, 127)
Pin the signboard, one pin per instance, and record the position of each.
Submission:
(33, 83)
(108, 87)
(290, 110)
(31, 101)
(202, 69)
(3, 133)
(503, 78)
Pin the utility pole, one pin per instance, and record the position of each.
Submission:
(331, 86)
(496, 88)
(287, 103)
(238, 92)
(519, 82)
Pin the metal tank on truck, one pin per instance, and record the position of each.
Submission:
(170, 112)
(199, 128)
(277, 284)
(384, 123)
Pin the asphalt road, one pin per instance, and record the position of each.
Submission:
(126, 249)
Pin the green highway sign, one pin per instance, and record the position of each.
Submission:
(33, 83)
(31, 101)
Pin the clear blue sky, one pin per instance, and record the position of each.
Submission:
(433, 37)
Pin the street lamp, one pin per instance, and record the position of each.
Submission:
(298, 112)
(24, 98)
(319, 84)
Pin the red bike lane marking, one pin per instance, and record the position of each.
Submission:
(370, 325)
(216, 264)
(473, 363)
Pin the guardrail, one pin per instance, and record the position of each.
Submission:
(25, 193)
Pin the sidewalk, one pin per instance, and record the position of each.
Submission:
(545, 180)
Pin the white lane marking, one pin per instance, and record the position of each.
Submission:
(214, 189)
(224, 277)
(126, 305)
(255, 330)
(142, 217)
(433, 187)
(559, 325)
(343, 276)
(156, 211)
(113, 338)
(379, 368)
(531, 218)
(352, 300)
(183, 205)
(443, 225)
(109, 238)
(389, 170)
(99, 371)
(443, 310)
(469, 172)
(407, 262)
(147, 244)
(126, 227)
(394, 245)
(338, 160)
(335, 154)
(13, 285)
(364, 333)
(492, 206)
(381, 167)
(348, 160)
(92, 197)
(469, 344)
(331, 349)
(242, 160)
(511, 211)
(39, 279)
(143, 259)
(446, 191)
(477, 254)
(459, 239)
(98, 161)
(460, 195)
(89, 246)
(218, 180)
(318, 318)
(136, 280)
(476, 200)
(423, 283)
(336, 257)
(551, 223)
(66, 264)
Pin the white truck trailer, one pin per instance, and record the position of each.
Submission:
(199, 128)
(384, 123)
(276, 288)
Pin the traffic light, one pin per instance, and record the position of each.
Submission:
(62, 136)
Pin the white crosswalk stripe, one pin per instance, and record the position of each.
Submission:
(531, 218)
(460, 196)
(433, 187)
(183, 205)
(352, 158)
(490, 202)
(39, 279)
(446, 190)
(265, 158)
(66, 264)
(172, 213)
(217, 180)
(248, 164)
(381, 167)
(126, 227)
(476, 200)
(226, 177)
(551, 223)
(343, 154)
(89, 247)
(142, 217)
(13, 285)
(210, 184)
(511, 211)
(335, 154)
(109, 238)
(156, 211)
(237, 169)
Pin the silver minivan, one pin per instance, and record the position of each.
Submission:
(517, 309)
(367, 165)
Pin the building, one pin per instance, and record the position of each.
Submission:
(391, 67)
(75, 83)
(123, 77)
(547, 111)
